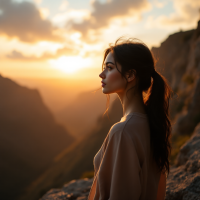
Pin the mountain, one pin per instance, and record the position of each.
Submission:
(57, 93)
(84, 111)
(29, 137)
(76, 159)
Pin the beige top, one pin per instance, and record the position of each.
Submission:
(124, 166)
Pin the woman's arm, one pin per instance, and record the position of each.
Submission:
(118, 176)
(161, 187)
(93, 190)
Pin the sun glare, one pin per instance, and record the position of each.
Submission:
(70, 64)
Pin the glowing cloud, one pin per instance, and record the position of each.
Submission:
(103, 13)
(185, 15)
(23, 20)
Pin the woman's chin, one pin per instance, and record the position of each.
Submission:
(105, 91)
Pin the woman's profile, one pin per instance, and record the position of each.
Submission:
(133, 160)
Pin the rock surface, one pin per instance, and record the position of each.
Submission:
(183, 182)
(181, 67)
(190, 149)
(75, 189)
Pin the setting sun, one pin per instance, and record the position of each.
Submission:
(70, 64)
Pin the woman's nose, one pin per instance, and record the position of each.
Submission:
(101, 75)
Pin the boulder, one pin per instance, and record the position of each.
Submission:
(75, 189)
(183, 182)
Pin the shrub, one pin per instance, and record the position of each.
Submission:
(87, 174)
(177, 141)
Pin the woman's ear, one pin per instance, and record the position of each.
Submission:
(131, 74)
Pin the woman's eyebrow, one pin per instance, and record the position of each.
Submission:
(108, 63)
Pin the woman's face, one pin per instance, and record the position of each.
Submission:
(114, 83)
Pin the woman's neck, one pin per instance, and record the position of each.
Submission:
(134, 102)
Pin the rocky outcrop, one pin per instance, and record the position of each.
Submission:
(75, 189)
(179, 61)
(190, 150)
(183, 182)
(188, 120)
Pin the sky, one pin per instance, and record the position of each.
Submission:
(67, 38)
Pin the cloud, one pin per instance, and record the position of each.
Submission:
(16, 55)
(38, 1)
(24, 21)
(70, 15)
(44, 13)
(159, 4)
(64, 5)
(103, 13)
(186, 15)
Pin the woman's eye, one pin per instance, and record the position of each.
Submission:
(107, 67)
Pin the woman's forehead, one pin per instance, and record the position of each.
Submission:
(109, 58)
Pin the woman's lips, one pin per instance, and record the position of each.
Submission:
(103, 84)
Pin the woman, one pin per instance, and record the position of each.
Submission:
(134, 158)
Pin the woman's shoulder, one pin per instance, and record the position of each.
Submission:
(117, 128)
(128, 125)
(136, 129)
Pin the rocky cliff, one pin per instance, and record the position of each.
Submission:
(183, 181)
(179, 61)
(29, 138)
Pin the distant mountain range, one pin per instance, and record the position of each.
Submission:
(29, 138)
(80, 116)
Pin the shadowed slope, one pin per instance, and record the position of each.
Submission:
(29, 137)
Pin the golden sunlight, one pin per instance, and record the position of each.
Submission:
(70, 64)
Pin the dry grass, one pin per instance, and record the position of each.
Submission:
(177, 141)
(87, 174)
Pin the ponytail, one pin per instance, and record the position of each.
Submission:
(157, 108)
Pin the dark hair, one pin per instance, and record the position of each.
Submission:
(133, 54)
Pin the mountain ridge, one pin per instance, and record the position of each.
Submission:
(28, 132)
